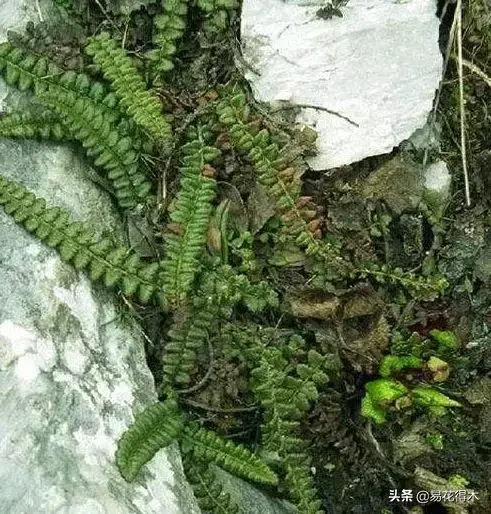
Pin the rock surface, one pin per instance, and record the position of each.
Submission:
(72, 367)
(379, 66)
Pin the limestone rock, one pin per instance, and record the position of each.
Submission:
(72, 367)
(379, 65)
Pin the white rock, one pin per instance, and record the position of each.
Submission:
(438, 178)
(379, 65)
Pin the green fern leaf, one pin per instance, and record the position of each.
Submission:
(26, 70)
(102, 140)
(78, 245)
(130, 88)
(168, 28)
(33, 125)
(208, 446)
(153, 428)
(188, 335)
(207, 489)
(190, 217)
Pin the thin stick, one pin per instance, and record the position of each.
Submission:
(448, 51)
(318, 108)
(477, 71)
(463, 149)
(40, 14)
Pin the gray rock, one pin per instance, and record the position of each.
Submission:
(379, 65)
(72, 365)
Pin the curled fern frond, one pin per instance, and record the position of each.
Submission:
(168, 28)
(207, 489)
(188, 334)
(129, 86)
(33, 125)
(78, 245)
(190, 216)
(154, 428)
(102, 140)
(208, 446)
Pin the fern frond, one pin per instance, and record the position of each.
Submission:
(78, 245)
(168, 28)
(26, 70)
(208, 446)
(102, 140)
(130, 88)
(33, 125)
(286, 388)
(154, 428)
(187, 335)
(219, 15)
(283, 182)
(190, 216)
(304, 495)
(207, 489)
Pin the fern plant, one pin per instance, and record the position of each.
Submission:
(129, 86)
(77, 244)
(196, 288)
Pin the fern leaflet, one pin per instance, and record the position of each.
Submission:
(208, 446)
(154, 428)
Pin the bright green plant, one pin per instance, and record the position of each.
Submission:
(396, 390)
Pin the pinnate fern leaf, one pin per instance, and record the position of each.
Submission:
(207, 488)
(33, 125)
(208, 446)
(102, 139)
(26, 70)
(78, 245)
(168, 28)
(129, 86)
(190, 216)
(283, 182)
(154, 428)
(188, 334)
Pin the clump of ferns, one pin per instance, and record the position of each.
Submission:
(300, 221)
(196, 290)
